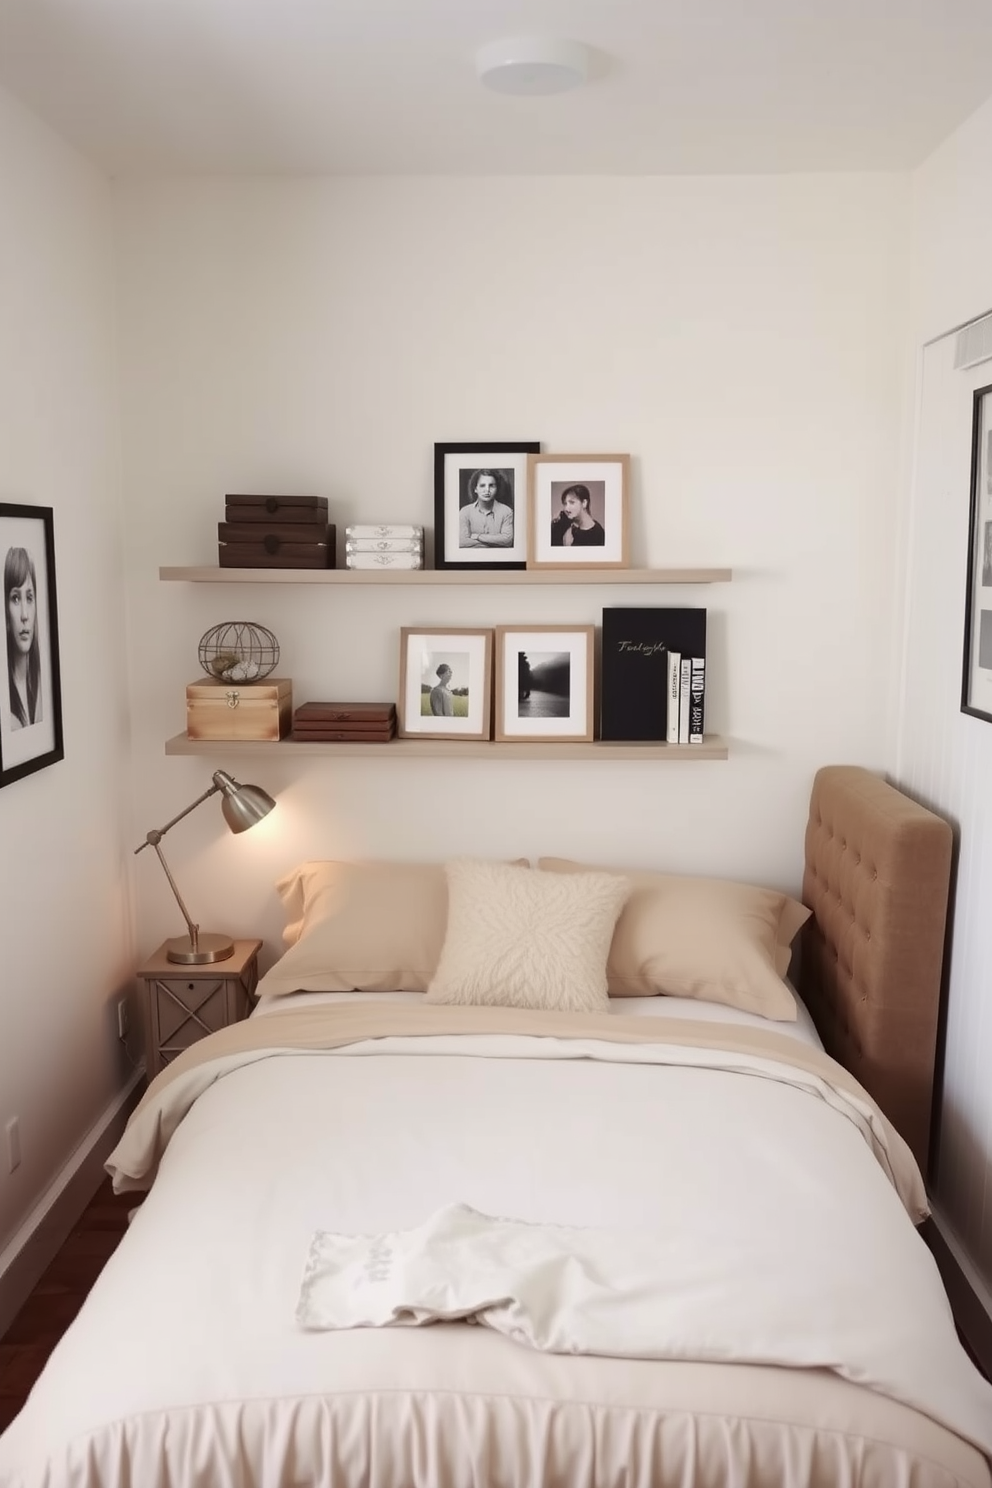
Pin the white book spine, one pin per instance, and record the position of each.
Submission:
(674, 688)
(685, 692)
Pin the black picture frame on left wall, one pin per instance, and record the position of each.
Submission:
(31, 691)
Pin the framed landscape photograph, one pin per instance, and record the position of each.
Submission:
(445, 683)
(31, 697)
(578, 511)
(976, 684)
(480, 504)
(544, 682)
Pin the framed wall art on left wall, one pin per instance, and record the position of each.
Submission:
(31, 693)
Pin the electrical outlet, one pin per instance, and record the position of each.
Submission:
(13, 1144)
(123, 1018)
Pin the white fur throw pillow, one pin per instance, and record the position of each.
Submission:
(521, 939)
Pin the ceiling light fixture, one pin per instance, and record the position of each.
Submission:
(532, 65)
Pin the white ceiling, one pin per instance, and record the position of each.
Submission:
(389, 86)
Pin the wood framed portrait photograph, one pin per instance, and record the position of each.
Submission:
(445, 683)
(31, 701)
(544, 682)
(578, 511)
(976, 683)
(480, 504)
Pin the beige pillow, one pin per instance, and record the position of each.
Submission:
(708, 938)
(522, 939)
(366, 926)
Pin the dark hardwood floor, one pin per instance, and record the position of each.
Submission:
(57, 1298)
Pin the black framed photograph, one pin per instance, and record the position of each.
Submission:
(480, 504)
(445, 682)
(544, 682)
(976, 684)
(31, 701)
(578, 511)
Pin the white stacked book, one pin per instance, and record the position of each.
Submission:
(384, 545)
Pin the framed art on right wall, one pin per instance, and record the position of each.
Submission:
(976, 682)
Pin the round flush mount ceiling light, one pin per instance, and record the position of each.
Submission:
(532, 65)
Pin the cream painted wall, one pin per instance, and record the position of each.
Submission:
(65, 948)
(941, 754)
(742, 338)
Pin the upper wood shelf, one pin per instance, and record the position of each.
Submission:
(427, 577)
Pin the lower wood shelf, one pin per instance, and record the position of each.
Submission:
(712, 748)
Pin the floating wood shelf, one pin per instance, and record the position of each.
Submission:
(712, 748)
(427, 577)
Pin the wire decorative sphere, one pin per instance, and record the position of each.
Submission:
(238, 651)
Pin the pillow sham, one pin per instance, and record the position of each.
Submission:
(530, 940)
(368, 926)
(707, 938)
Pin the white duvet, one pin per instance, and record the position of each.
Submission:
(806, 1338)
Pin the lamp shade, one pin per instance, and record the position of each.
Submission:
(243, 806)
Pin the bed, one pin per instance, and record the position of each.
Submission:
(402, 1238)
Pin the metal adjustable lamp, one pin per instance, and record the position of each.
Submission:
(243, 806)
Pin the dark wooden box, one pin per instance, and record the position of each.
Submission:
(275, 510)
(295, 545)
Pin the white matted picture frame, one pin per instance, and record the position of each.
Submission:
(446, 675)
(976, 681)
(578, 511)
(544, 683)
(31, 699)
(480, 504)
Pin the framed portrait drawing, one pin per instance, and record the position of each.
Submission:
(31, 694)
(480, 504)
(445, 683)
(544, 682)
(578, 511)
(976, 684)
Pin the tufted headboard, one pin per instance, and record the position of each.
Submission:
(877, 878)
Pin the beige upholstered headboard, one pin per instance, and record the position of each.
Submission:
(877, 879)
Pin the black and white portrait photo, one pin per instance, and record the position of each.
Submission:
(30, 703)
(578, 514)
(445, 682)
(485, 512)
(480, 504)
(578, 511)
(544, 680)
(444, 689)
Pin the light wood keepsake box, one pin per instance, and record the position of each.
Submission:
(239, 710)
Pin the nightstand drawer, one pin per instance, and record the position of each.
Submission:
(185, 1003)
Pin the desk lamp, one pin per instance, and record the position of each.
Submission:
(243, 806)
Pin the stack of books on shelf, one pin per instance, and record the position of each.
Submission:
(654, 674)
(344, 723)
(384, 545)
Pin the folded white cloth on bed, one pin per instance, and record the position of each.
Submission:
(637, 1295)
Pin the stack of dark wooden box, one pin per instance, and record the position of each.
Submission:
(345, 723)
(276, 532)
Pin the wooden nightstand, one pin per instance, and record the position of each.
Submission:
(185, 1003)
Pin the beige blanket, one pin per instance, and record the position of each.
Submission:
(755, 1051)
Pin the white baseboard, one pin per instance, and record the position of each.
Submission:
(35, 1244)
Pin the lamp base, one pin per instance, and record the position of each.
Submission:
(209, 948)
